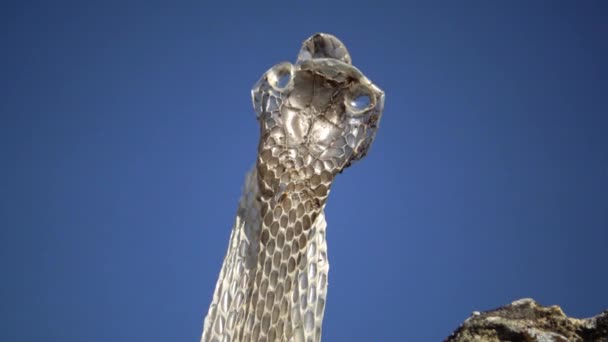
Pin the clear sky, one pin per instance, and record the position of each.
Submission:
(127, 128)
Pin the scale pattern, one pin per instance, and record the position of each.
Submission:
(316, 118)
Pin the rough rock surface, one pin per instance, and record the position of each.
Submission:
(527, 321)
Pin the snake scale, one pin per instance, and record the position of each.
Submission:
(316, 116)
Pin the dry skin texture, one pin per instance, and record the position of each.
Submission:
(316, 116)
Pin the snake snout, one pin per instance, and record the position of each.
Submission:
(323, 45)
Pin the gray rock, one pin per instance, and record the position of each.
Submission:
(526, 321)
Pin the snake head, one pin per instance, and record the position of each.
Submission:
(320, 111)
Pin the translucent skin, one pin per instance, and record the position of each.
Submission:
(316, 118)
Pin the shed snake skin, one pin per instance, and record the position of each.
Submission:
(316, 116)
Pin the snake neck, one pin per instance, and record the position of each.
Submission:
(291, 198)
(294, 187)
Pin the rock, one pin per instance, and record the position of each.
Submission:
(526, 321)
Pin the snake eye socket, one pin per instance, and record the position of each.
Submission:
(280, 77)
(359, 99)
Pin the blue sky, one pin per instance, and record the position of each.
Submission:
(127, 129)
